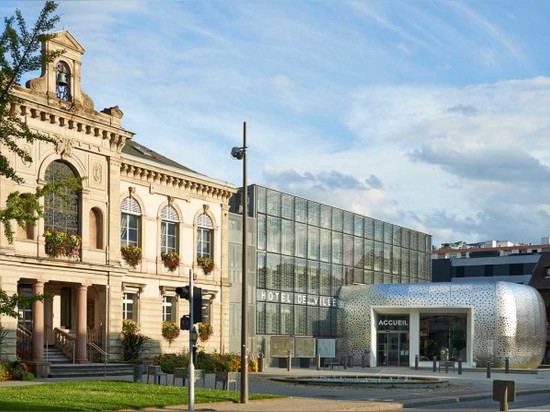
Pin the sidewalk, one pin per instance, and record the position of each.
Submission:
(470, 385)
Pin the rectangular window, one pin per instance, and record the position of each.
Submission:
(287, 206)
(287, 237)
(204, 242)
(129, 230)
(273, 203)
(129, 306)
(313, 213)
(168, 236)
(168, 306)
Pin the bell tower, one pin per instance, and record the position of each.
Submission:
(60, 80)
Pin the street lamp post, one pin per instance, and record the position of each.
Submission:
(239, 153)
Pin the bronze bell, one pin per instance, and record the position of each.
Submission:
(62, 79)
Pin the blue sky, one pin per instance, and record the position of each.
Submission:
(434, 115)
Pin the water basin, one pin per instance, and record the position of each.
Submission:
(379, 381)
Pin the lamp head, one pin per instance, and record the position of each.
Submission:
(238, 153)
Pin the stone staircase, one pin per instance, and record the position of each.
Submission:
(55, 356)
(74, 370)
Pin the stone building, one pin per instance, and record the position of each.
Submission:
(131, 196)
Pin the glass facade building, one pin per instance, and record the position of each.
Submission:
(304, 251)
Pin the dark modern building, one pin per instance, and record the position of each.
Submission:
(491, 260)
(300, 253)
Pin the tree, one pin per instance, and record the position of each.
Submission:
(10, 304)
(20, 52)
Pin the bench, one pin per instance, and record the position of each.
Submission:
(156, 373)
(183, 374)
(446, 365)
(332, 363)
(226, 378)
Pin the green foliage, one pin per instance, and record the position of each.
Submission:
(20, 52)
(9, 304)
(19, 371)
(133, 343)
(4, 373)
(168, 362)
(209, 362)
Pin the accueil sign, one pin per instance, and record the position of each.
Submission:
(393, 323)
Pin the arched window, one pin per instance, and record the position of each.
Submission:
(96, 228)
(205, 234)
(130, 223)
(61, 211)
(63, 81)
(169, 229)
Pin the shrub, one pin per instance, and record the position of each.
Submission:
(133, 344)
(168, 362)
(4, 373)
(19, 371)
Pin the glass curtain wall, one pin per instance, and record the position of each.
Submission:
(307, 251)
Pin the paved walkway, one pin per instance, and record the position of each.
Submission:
(468, 386)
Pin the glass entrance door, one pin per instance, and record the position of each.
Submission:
(393, 349)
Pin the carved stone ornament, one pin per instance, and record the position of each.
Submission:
(132, 190)
(114, 111)
(97, 173)
(205, 208)
(37, 85)
(170, 200)
(64, 146)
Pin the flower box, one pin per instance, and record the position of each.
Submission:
(206, 263)
(131, 255)
(59, 243)
(171, 260)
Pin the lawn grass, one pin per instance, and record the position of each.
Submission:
(106, 395)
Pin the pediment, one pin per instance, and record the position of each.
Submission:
(66, 40)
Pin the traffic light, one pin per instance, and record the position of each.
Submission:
(183, 292)
(197, 305)
(185, 323)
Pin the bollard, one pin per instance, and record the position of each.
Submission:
(459, 366)
(504, 392)
(350, 361)
(344, 360)
(446, 366)
(318, 360)
(506, 364)
(363, 360)
(261, 362)
(435, 364)
(289, 362)
(488, 369)
(415, 362)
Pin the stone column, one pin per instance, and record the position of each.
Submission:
(38, 324)
(81, 327)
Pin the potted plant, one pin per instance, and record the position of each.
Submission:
(170, 331)
(205, 330)
(171, 260)
(206, 263)
(131, 255)
(133, 344)
(59, 243)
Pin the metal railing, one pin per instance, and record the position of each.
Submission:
(65, 343)
(24, 343)
(93, 351)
